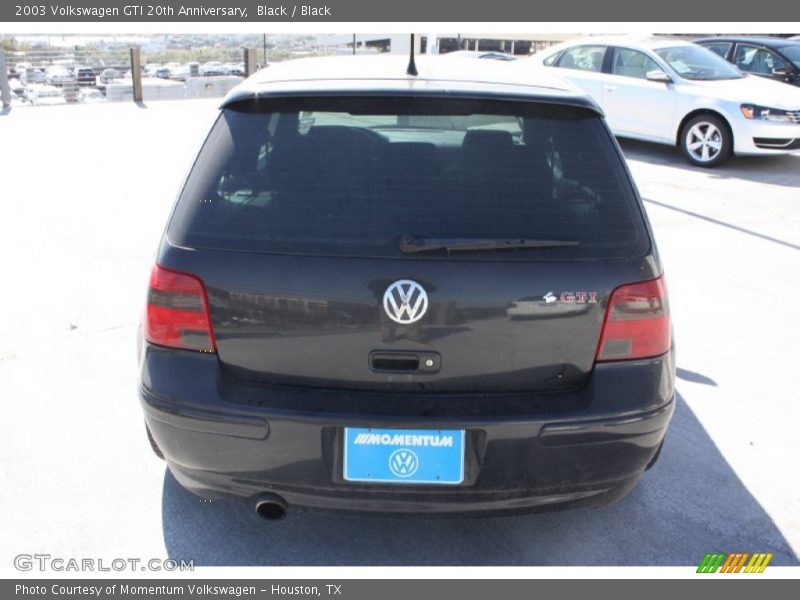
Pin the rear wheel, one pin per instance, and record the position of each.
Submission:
(706, 141)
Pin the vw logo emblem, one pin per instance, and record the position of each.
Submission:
(403, 462)
(405, 301)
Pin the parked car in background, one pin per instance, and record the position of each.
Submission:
(85, 76)
(20, 68)
(45, 95)
(212, 68)
(492, 55)
(327, 322)
(774, 58)
(30, 75)
(37, 76)
(236, 69)
(91, 96)
(162, 73)
(180, 72)
(109, 75)
(678, 93)
(58, 75)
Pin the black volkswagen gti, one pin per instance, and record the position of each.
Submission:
(383, 292)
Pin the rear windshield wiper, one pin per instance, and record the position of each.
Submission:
(410, 244)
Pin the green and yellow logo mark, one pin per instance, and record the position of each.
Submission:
(735, 562)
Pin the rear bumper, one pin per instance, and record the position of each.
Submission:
(588, 447)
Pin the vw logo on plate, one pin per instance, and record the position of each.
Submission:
(405, 301)
(403, 462)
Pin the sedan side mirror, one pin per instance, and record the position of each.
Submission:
(782, 71)
(658, 76)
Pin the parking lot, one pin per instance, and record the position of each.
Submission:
(85, 193)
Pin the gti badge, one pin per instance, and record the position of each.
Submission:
(578, 297)
(405, 301)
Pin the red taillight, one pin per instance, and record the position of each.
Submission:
(637, 322)
(177, 312)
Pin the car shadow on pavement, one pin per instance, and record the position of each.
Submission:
(783, 170)
(690, 503)
(726, 224)
(688, 375)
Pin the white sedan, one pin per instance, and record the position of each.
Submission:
(678, 93)
(45, 95)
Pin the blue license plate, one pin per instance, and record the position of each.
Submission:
(426, 456)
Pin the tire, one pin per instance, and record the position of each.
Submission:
(706, 141)
(153, 444)
(653, 460)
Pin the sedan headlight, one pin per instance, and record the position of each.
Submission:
(752, 111)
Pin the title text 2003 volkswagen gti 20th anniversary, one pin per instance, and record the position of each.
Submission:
(393, 292)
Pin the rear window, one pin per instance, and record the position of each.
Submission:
(352, 176)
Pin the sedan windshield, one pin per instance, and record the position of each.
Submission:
(698, 64)
(792, 53)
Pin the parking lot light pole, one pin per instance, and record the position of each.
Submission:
(136, 74)
(249, 61)
(5, 88)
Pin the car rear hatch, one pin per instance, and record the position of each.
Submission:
(399, 243)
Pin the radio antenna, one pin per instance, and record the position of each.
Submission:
(412, 66)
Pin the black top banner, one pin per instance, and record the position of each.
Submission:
(444, 11)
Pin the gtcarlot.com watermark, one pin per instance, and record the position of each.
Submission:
(47, 562)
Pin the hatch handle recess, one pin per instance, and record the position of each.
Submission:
(382, 361)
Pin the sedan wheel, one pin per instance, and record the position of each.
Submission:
(705, 141)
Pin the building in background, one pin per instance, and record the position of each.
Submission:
(438, 43)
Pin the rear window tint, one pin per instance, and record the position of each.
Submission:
(351, 176)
